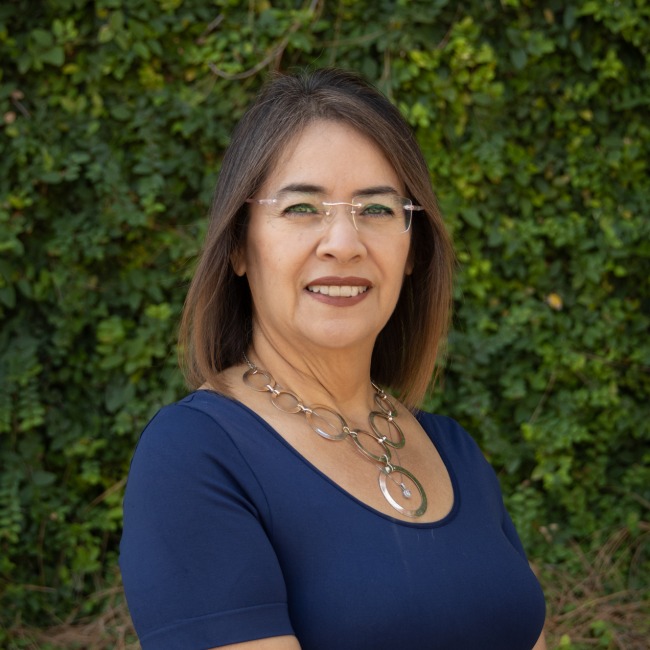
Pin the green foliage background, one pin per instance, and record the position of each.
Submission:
(534, 119)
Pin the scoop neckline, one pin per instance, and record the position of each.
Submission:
(431, 432)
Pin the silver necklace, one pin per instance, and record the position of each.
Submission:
(331, 425)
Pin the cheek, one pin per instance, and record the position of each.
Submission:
(276, 259)
(404, 257)
(268, 270)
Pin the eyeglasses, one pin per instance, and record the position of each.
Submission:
(376, 214)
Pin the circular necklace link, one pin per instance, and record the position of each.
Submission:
(383, 401)
(323, 424)
(385, 473)
(329, 424)
(292, 403)
(385, 455)
(390, 426)
(252, 379)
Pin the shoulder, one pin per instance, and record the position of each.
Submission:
(460, 451)
(448, 432)
(200, 419)
(201, 404)
(192, 444)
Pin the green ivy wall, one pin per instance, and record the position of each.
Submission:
(114, 114)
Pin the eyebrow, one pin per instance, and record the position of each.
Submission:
(308, 188)
(303, 188)
(380, 189)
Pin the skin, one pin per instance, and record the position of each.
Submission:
(322, 347)
(298, 334)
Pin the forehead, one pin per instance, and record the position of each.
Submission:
(334, 156)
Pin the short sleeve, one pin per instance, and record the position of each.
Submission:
(198, 568)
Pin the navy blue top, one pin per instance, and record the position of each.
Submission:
(231, 535)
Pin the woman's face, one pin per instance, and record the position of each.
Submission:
(329, 288)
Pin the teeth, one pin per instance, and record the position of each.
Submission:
(337, 290)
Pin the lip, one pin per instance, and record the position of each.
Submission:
(334, 281)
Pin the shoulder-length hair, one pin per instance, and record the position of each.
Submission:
(216, 326)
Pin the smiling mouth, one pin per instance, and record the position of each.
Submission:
(343, 291)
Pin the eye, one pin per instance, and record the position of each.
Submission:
(300, 210)
(377, 210)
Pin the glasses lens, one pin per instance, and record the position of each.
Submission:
(377, 214)
(382, 214)
(297, 211)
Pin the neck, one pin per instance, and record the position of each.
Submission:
(335, 377)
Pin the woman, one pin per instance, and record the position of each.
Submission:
(290, 502)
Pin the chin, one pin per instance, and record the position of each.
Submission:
(336, 336)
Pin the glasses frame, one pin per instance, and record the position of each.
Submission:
(330, 204)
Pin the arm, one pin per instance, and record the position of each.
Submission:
(540, 645)
(276, 643)
(198, 567)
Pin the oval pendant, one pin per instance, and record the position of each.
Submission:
(383, 486)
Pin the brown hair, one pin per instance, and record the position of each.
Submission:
(216, 327)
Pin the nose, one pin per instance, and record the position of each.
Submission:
(339, 239)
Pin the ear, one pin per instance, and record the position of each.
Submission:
(238, 262)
